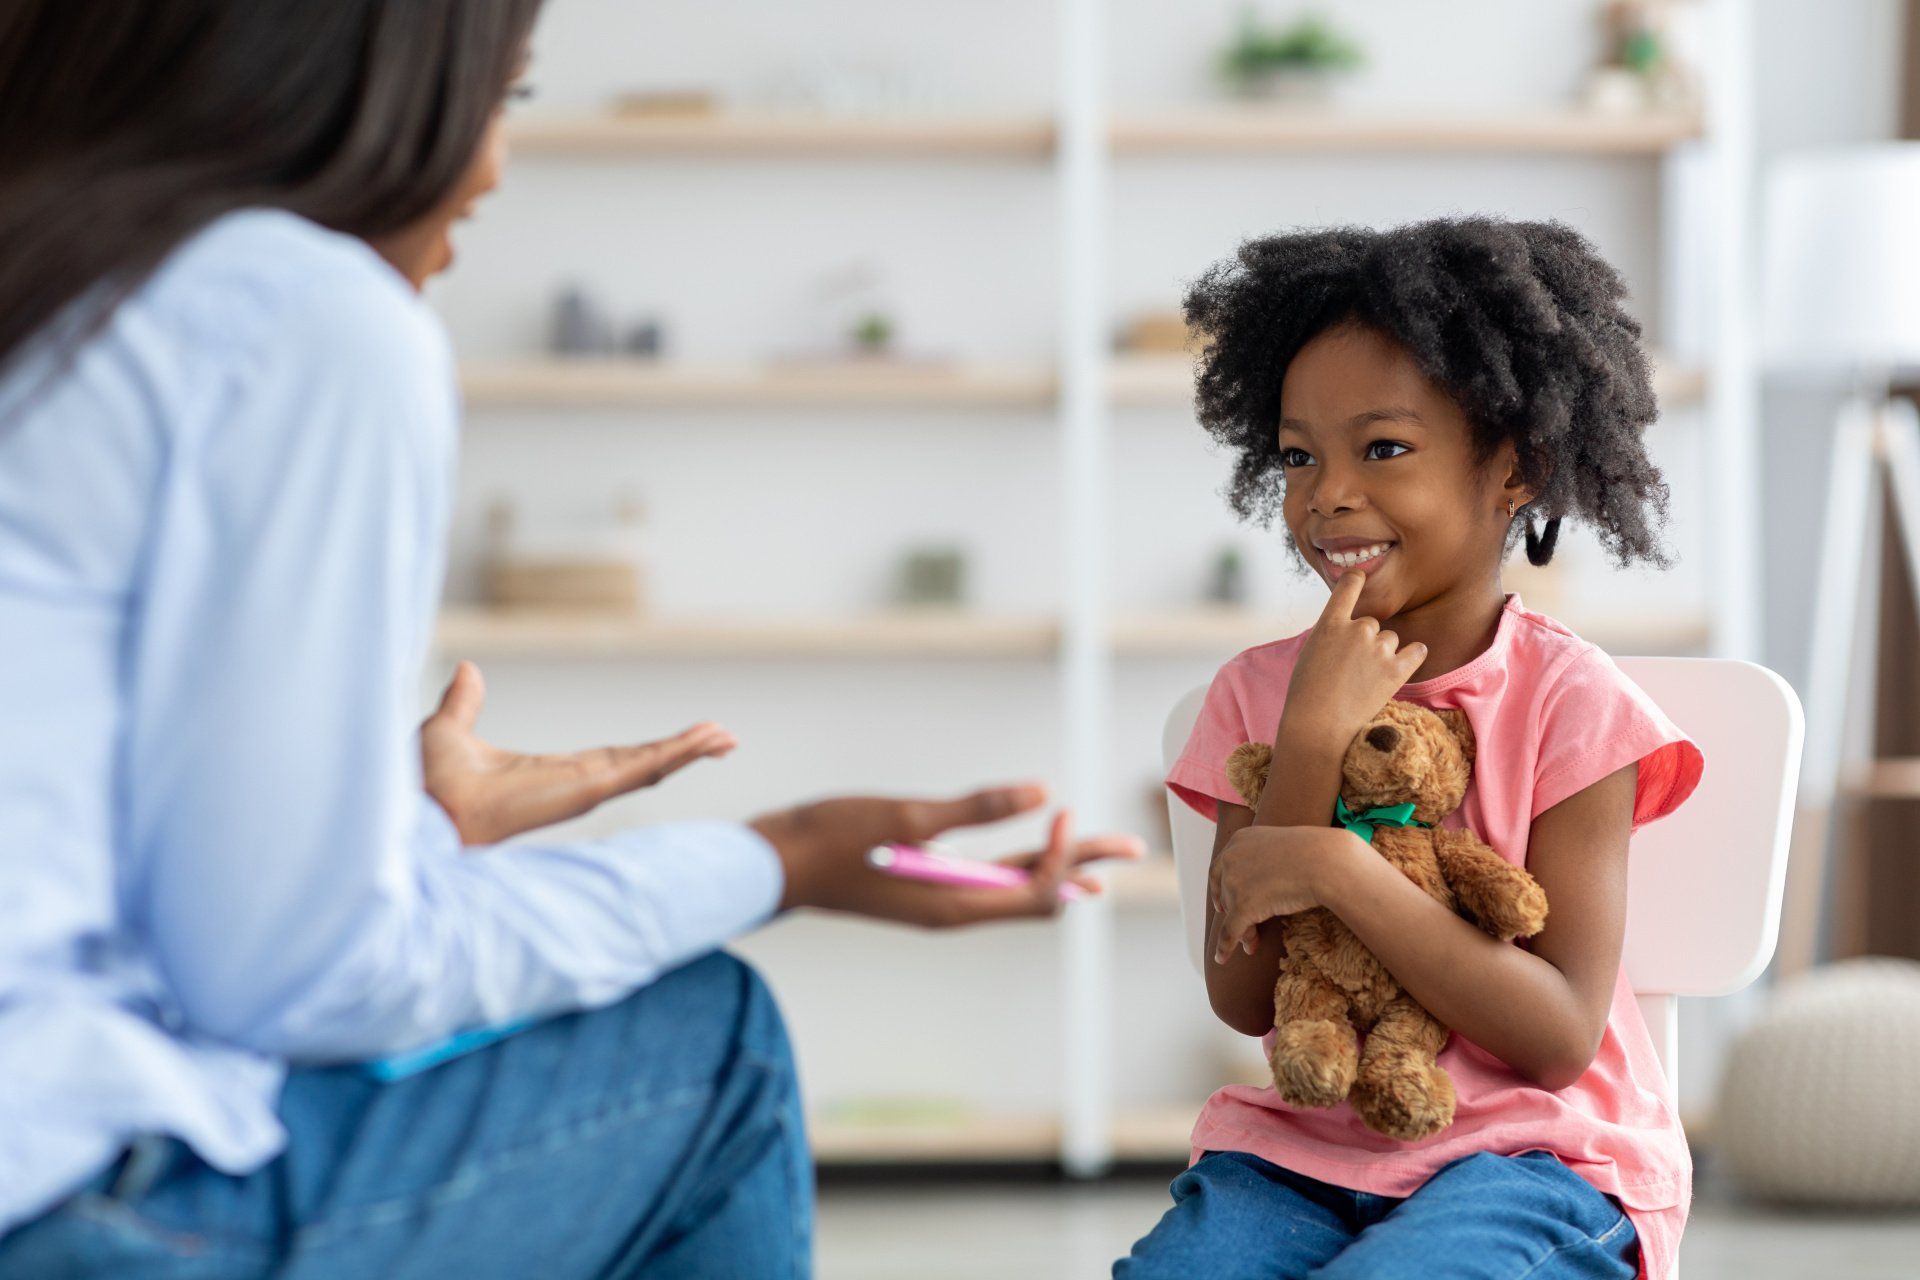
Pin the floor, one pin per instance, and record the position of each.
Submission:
(1019, 1230)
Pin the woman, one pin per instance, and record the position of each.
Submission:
(228, 867)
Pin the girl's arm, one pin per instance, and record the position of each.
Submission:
(1543, 1011)
(1347, 670)
(1302, 784)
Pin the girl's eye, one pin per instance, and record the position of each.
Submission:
(1295, 458)
(1375, 454)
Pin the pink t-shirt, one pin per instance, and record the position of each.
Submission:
(1552, 715)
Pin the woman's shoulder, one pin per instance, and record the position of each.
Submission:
(260, 276)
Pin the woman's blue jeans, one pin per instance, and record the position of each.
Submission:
(658, 1137)
(1237, 1217)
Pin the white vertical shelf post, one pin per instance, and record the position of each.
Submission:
(1733, 371)
(1086, 667)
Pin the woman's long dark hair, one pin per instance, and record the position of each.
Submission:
(127, 125)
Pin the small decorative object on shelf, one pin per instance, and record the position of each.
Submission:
(1228, 586)
(1298, 64)
(1155, 333)
(672, 103)
(646, 338)
(851, 87)
(596, 568)
(933, 577)
(1638, 71)
(580, 324)
(872, 334)
(583, 329)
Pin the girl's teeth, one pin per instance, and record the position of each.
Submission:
(1350, 558)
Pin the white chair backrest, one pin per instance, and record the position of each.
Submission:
(1704, 885)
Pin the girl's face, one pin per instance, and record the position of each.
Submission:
(1382, 476)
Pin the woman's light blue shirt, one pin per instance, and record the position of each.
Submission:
(221, 546)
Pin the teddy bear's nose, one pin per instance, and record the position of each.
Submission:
(1383, 737)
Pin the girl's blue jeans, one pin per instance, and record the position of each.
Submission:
(658, 1137)
(1237, 1217)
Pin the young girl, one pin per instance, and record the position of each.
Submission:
(1413, 402)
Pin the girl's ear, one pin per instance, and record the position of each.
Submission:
(1513, 485)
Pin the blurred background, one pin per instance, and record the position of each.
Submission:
(825, 377)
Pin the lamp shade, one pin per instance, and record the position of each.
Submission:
(1842, 283)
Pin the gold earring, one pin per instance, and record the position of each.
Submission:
(1509, 508)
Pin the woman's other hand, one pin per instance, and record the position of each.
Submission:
(492, 794)
(824, 847)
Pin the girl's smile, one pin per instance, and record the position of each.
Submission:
(1342, 554)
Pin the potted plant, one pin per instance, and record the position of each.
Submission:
(1296, 63)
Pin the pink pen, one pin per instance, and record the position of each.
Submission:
(914, 863)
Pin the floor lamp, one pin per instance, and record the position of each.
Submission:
(1843, 299)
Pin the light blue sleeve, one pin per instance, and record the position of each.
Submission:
(302, 895)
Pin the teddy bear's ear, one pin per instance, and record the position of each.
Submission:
(1456, 722)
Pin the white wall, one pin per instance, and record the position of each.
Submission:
(789, 514)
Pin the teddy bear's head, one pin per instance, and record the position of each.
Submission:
(1408, 753)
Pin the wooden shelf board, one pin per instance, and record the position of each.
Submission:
(1199, 632)
(1136, 382)
(1151, 882)
(972, 1138)
(1155, 1132)
(612, 383)
(1139, 1133)
(1326, 130)
(480, 632)
(763, 135)
(1184, 131)
(471, 632)
(1155, 381)
(1891, 778)
(1657, 633)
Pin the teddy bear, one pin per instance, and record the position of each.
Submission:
(1404, 771)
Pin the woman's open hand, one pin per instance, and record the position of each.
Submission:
(491, 793)
(1348, 669)
(824, 847)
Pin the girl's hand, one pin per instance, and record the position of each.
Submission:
(1348, 669)
(1262, 873)
(491, 793)
(824, 847)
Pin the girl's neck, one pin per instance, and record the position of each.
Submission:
(1457, 627)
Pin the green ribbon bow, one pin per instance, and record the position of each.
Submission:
(1362, 824)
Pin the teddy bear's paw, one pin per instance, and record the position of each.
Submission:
(1314, 1062)
(1406, 1100)
(1247, 767)
(1519, 912)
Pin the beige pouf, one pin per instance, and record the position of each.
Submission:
(1821, 1098)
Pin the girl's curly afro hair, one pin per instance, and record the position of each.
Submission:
(1521, 322)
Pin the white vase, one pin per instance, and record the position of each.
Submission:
(1292, 86)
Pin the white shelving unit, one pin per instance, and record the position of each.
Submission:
(1707, 158)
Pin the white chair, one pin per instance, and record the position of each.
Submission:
(1704, 884)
